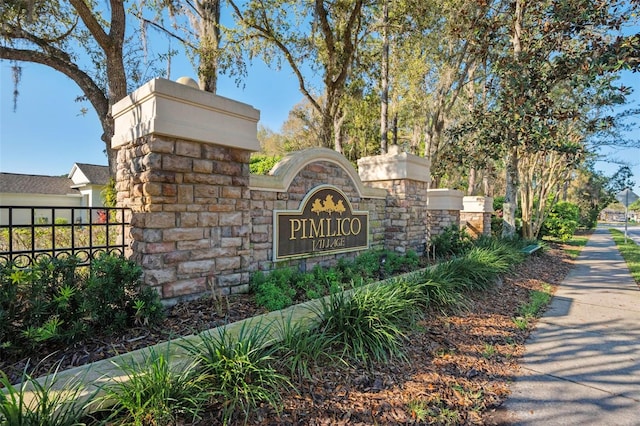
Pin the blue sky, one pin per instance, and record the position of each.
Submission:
(48, 133)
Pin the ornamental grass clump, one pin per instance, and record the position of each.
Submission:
(240, 369)
(302, 347)
(507, 250)
(155, 390)
(370, 324)
(477, 269)
(442, 294)
(41, 402)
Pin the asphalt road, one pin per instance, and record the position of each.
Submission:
(633, 231)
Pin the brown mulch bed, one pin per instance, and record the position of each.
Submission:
(458, 370)
(182, 319)
(458, 366)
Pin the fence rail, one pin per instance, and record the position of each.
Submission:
(30, 234)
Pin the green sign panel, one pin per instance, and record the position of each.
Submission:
(325, 223)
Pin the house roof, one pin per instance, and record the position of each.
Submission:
(36, 184)
(95, 175)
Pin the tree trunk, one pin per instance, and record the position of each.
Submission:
(511, 181)
(384, 83)
(471, 181)
(338, 121)
(326, 127)
(394, 129)
(209, 44)
(415, 140)
(511, 194)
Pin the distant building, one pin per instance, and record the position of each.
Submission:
(80, 188)
(616, 214)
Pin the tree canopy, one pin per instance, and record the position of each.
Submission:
(507, 98)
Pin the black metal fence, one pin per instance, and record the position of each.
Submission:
(29, 234)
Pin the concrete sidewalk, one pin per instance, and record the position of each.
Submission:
(582, 363)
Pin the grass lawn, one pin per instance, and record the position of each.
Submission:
(630, 252)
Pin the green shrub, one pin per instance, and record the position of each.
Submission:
(41, 304)
(116, 297)
(396, 263)
(367, 265)
(273, 291)
(284, 286)
(451, 241)
(56, 301)
(496, 225)
(261, 164)
(562, 222)
(109, 193)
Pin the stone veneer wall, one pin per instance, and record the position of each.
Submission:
(191, 220)
(476, 215)
(405, 178)
(406, 215)
(477, 223)
(265, 201)
(439, 220)
(444, 206)
(201, 222)
(183, 170)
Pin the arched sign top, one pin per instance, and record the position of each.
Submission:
(324, 223)
(283, 173)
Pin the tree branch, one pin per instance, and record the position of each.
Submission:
(91, 22)
(85, 83)
(264, 33)
(164, 30)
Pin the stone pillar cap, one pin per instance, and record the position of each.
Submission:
(178, 110)
(477, 204)
(444, 199)
(394, 165)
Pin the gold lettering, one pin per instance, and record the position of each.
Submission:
(329, 234)
(295, 227)
(352, 228)
(337, 242)
(317, 229)
(342, 227)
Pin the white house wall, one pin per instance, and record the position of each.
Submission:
(93, 197)
(23, 217)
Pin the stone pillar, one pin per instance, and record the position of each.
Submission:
(183, 169)
(476, 215)
(406, 178)
(444, 207)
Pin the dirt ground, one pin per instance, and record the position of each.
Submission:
(458, 370)
(458, 366)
